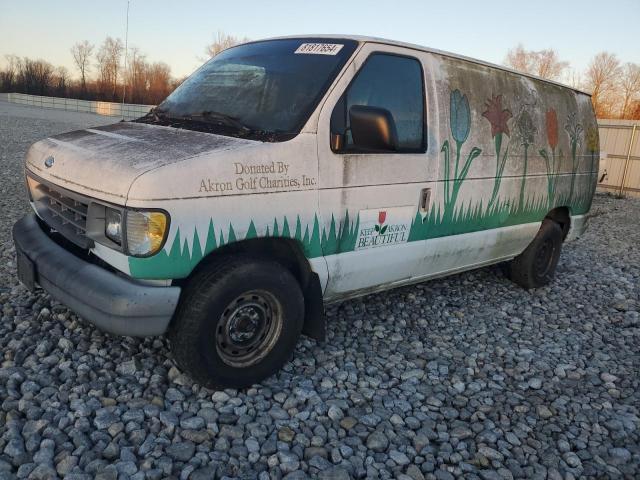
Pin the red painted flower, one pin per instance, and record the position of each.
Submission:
(552, 128)
(497, 116)
(382, 216)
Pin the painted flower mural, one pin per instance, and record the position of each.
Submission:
(525, 134)
(460, 118)
(551, 121)
(574, 131)
(498, 118)
(553, 166)
(526, 124)
(460, 124)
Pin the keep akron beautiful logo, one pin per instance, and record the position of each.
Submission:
(375, 231)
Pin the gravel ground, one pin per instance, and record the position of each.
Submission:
(464, 377)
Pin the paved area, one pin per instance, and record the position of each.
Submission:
(464, 377)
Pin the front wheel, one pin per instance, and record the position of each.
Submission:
(237, 323)
(536, 266)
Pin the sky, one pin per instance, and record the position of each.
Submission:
(177, 32)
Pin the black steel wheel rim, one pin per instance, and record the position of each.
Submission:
(248, 328)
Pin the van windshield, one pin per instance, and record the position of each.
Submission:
(262, 90)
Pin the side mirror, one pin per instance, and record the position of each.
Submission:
(373, 128)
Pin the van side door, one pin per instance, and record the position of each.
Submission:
(372, 186)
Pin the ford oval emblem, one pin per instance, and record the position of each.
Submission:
(48, 162)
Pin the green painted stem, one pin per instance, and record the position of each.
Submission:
(574, 170)
(496, 181)
(524, 176)
(554, 176)
(451, 201)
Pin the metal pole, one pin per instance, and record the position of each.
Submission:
(126, 46)
(626, 162)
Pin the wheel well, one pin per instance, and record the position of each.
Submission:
(290, 255)
(561, 216)
(285, 251)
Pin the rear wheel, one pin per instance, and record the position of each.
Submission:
(238, 322)
(536, 266)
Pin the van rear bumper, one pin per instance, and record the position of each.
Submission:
(578, 227)
(111, 302)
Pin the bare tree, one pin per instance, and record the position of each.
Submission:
(81, 53)
(60, 81)
(543, 63)
(573, 78)
(601, 78)
(137, 76)
(159, 78)
(109, 56)
(147, 83)
(8, 76)
(222, 41)
(519, 59)
(630, 87)
(549, 64)
(35, 76)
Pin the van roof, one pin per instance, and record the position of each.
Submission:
(364, 38)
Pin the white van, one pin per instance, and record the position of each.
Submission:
(290, 172)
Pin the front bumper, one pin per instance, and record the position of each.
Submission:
(110, 301)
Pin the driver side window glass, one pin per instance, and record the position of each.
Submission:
(391, 82)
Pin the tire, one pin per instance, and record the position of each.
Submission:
(237, 323)
(536, 266)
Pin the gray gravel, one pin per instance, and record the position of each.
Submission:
(464, 377)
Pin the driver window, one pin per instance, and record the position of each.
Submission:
(391, 82)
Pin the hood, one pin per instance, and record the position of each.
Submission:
(103, 162)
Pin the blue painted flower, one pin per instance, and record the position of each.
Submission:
(460, 116)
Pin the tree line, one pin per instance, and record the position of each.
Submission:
(614, 85)
(102, 75)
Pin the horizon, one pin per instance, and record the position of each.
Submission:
(179, 37)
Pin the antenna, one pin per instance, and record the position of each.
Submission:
(126, 53)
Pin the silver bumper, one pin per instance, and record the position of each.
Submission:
(111, 302)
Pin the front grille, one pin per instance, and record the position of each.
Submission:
(62, 210)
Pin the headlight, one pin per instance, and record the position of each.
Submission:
(113, 225)
(145, 232)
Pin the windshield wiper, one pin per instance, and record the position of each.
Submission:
(209, 116)
(207, 121)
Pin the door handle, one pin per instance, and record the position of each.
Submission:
(425, 199)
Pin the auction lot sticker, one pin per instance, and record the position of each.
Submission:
(319, 48)
(384, 226)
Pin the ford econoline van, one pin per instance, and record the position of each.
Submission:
(287, 173)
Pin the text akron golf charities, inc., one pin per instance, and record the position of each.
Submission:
(263, 176)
